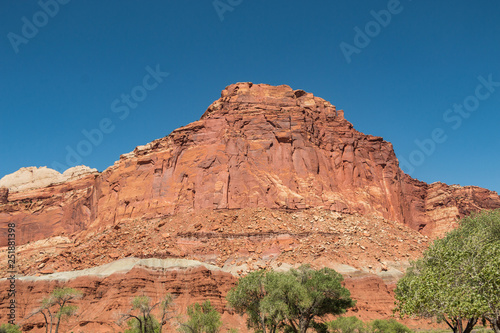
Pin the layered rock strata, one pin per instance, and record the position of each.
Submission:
(256, 146)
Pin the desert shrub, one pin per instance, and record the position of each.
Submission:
(388, 326)
(347, 325)
(9, 328)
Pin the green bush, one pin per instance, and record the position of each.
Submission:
(9, 328)
(388, 326)
(355, 325)
(347, 325)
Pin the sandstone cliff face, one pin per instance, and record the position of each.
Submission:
(256, 146)
(40, 213)
(259, 146)
(265, 146)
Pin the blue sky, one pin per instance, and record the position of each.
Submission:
(397, 68)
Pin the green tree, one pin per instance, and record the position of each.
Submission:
(9, 328)
(290, 300)
(141, 318)
(458, 278)
(59, 299)
(247, 297)
(142, 324)
(202, 319)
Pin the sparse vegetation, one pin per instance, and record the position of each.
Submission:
(456, 282)
(355, 325)
(59, 299)
(141, 319)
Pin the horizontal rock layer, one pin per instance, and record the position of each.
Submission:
(106, 297)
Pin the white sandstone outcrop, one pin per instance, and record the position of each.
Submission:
(32, 177)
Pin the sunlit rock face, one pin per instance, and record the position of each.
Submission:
(256, 146)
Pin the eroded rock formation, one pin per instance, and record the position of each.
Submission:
(256, 146)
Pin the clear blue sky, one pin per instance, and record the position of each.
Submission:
(399, 84)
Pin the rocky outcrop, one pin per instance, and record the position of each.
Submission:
(256, 146)
(59, 209)
(444, 204)
(4, 195)
(31, 178)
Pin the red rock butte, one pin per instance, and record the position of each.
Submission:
(269, 177)
(256, 146)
